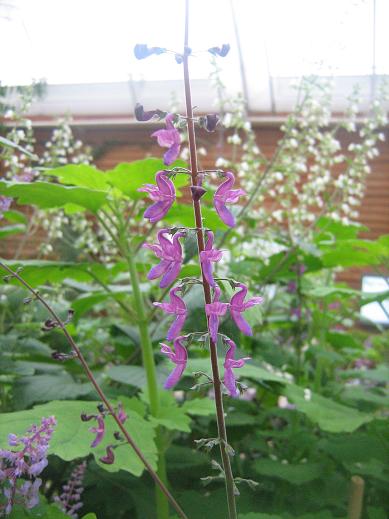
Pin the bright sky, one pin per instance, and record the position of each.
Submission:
(86, 41)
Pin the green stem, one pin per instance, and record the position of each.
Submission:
(149, 366)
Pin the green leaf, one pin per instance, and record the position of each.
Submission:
(6, 143)
(199, 407)
(134, 375)
(81, 175)
(128, 177)
(43, 388)
(324, 291)
(46, 195)
(89, 516)
(329, 415)
(43, 511)
(72, 439)
(15, 216)
(182, 214)
(331, 230)
(296, 474)
(9, 230)
(255, 515)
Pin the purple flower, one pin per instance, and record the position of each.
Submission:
(170, 254)
(220, 51)
(163, 194)
(27, 462)
(121, 414)
(214, 311)
(141, 115)
(179, 356)
(197, 192)
(99, 430)
(225, 195)
(109, 457)
(142, 51)
(238, 305)
(69, 499)
(208, 256)
(229, 364)
(209, 122)
(169, 138)
(177, 307)
(5, 203)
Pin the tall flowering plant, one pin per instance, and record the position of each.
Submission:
(169, 251)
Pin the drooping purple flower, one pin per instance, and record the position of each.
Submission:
(143, 116)
(99, 430)
(208, 256)
(214, 311)
(179, 356)
(121, 414)
(142, 51)
(109, 456)
(229, 364)
(163, 194)
(69, 500)
(238, 306)
(225, 195)
(28, 462)
(169, 138)
(220, 51)
(177, 307)
(170, 253)
(209, 122)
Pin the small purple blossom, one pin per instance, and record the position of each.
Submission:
(170, 253)
(69, 500)
(121, 414)
(208, 256)
(5, 204)
(179, 356)
(169, 138)
(177, 307)
(238, 306)
(214, 311)
(99, 430)
(229, 364)
(163, 194)
(197, 192)
(209, 122)
(220, 51)
(142, 51)
(225, 195)
(28, 462)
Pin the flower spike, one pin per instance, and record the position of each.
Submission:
(225, 195)
(169, 138)
(208, 256)
(229, 364)
(179, 356)
(170, 253)
(177, 307)
(214, 311)
(237, 306)
(163, 194)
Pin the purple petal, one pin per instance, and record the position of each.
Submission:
(240, 322)
(109, 457)
(230, 381)
(171, 274)
(159, 269)
(224, 213)
(226, 185)
(165, 185)
(171, 155)
(207, 271)
(157, 211)
(213, 327)
(174, 376)
(176, 327)
(238, 298)
(99, 431)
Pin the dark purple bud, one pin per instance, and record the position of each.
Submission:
(141, 115)
(57, 355)
(109, 458)
(211, 121)
(27, 300)
(220, 51)
(70, 316)
(101, 408)
(179, 58)
(197, 192)
(87, 417)
(117, 436)
(142, 51)
(49, 324)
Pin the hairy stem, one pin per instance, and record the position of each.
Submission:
(161, 485)
(229, 479)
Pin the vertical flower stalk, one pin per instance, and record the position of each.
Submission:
(196, 181)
